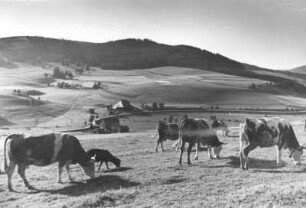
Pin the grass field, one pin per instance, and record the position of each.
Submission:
(147, 178)
(150, 179)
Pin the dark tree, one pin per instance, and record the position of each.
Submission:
(154, 106)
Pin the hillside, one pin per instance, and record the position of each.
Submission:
(132, 54)
(300, 70)
(122, 54)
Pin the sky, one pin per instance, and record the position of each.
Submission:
(266, 33)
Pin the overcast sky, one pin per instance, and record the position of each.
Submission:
(267, 33)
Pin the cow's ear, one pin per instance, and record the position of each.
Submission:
(302, 147)
(223, 143)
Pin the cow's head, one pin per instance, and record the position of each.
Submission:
(89, 168)
(117, 162)
(217, 149)
(296, 155)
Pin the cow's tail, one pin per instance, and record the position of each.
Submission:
(154, 136)
(5, 153)
(180, 136)
(243, 138)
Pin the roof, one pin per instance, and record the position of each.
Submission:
(122, 104)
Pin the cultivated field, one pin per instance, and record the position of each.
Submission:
(147, 178)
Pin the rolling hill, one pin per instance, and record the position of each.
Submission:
(121, 54)
(299, 70)
(132, 54)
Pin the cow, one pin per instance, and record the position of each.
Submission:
(219, 125)
(198, 131)
(166, 131)
(101, 155)
(44, 150)
(268, 132)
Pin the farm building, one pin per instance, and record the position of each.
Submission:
(109, 124)
(124, 105)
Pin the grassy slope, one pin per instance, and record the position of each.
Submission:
(171, 85)
(149, 179)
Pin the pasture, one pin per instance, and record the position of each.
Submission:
(150, 179)
(147, 178)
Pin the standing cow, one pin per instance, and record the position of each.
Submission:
(268, 132)
(198, 131)
(44, 150)
(166, 131)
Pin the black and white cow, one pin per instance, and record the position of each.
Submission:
(166, 131)
(198, 131)
(44, 150)
(268, 132)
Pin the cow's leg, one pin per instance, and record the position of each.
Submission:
(189, 151)
(21, 171)
(279, 160)
(162, 145)
(68, 171)
(60, 171)
(107, 165)
(176, 145)
(157, 143)
(246, 151)
(100, 165)
(242, 160)
(10, 172)
(182, 150)
(209, 152)
(242, 140)
(197, 151)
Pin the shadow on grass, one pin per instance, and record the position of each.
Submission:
(98, 184)
(253, 163)
(165, 181)
(279, 171)
(234, 162)
(121, 169)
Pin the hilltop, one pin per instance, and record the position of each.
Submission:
(121, 54)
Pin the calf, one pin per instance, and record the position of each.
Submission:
(268, 132)
(198, 131)
(44, 150)
(101, 155)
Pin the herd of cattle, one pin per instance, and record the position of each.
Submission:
(66, 149)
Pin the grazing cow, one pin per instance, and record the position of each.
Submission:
(166, 131)
(219, 125)
(268, 132)
(44, 150)
(199, 131)
(101, 155)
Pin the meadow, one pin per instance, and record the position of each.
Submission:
(148, 178)
(155, 179)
